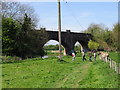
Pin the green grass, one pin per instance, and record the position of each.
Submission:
(49, 73)
(99, 75)
(115, 56)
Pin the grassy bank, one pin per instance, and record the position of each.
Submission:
(49, 73)
(115, 56)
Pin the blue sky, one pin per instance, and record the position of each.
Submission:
(76, 16)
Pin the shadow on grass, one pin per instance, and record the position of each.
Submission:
(20, 61)
(62, 61)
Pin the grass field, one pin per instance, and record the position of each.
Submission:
(115, 56)
(48, 73)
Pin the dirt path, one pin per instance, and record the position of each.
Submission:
(75, 77)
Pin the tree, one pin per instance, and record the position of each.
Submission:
(115, 37)
(106, 38)
(16, 11)
(96, 30)
(101, 34)
(27, 24)
(9, 30)
(19, 35)
(39, 38)
(22, 40)
(29, 41)
(93, 45)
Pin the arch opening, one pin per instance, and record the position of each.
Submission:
(51, 48)
(78, 47)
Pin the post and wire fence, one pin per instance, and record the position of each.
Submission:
(112, 64)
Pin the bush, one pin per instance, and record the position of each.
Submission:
(93, 45)
(10, 59)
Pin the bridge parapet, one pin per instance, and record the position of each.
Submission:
(68, 31)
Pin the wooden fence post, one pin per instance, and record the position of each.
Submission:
(115, 66)
(118, 68)
(110, 63)
(106, 59)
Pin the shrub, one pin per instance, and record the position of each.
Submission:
(10, 59)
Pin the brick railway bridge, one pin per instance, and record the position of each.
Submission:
(68, 39)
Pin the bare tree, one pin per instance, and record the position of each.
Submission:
(16, 11)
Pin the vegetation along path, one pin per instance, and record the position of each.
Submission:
(48, 73)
